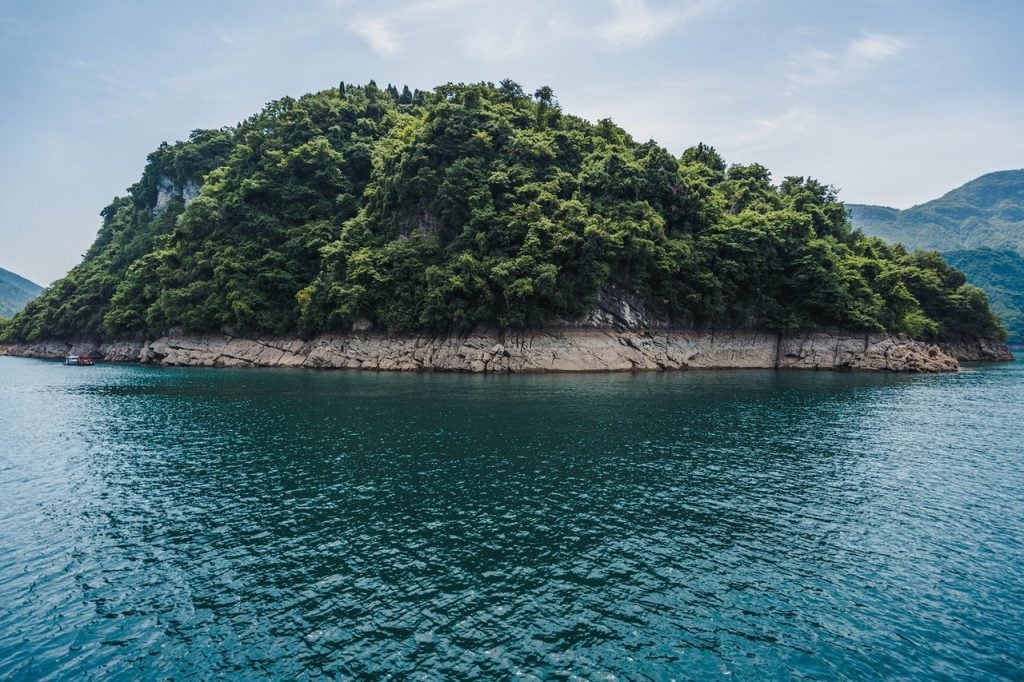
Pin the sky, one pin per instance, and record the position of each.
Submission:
(893, 102)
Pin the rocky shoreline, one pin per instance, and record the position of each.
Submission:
(562, 350)
(978, 350)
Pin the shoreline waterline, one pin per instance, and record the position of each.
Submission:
(559, 350)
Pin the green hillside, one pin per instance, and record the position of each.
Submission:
(979, 227)
(15, 292)
(987, 212)
(1001, 275)
(477, 205)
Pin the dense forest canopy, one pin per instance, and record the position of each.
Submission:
(477, 205)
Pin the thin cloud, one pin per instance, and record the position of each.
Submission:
(496, 31)
(816, 67)
(794, 120)
(383, 33)
(812, 66)
(379, 33)
(634, 23)
(876, 46)
(500, 43)
(504, 35)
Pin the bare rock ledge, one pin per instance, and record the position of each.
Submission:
(562, 350)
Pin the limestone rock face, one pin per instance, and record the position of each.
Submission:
(166, 190)
(868, 352)
(901, 354)
(978, 350)
(223, 351)
(570, 349)
(112, 351)
(821, 350)
(619, 309)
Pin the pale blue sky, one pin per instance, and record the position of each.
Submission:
(894, 102)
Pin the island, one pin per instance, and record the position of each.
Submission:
(475, 227)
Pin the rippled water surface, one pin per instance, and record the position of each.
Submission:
(195, 523)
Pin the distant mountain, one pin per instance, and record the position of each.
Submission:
(1001, 275)
(979, 227)
(987, 212)
(15, 292)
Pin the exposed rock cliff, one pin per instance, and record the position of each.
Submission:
(166, 189)
(977, 350)
(564, 350)
(619, 309)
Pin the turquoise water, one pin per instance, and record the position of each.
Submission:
(174, 523)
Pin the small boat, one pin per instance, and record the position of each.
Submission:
(79, 361)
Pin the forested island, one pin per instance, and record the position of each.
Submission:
(441, 213)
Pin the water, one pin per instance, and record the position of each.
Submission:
(170, 523)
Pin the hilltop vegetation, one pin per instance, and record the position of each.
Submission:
(15, 292)
(979, 227)
(477, 205)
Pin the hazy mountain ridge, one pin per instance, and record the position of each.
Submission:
(987, 212)
(979, 227)
(15, 292)
(1000, 274)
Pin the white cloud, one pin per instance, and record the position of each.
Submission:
(816, 67)
(876, 46)
(382, 32)
(378, 32)
(509, 34)
(492, 43)
(794, 120)
(634, 23)
(497, 31)
(812, 66)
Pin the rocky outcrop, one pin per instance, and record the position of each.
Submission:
(112, 351)
(571, 349)
(870, 352)
(167, 189)
(978, 350)
(619, 309)
(900, 354)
